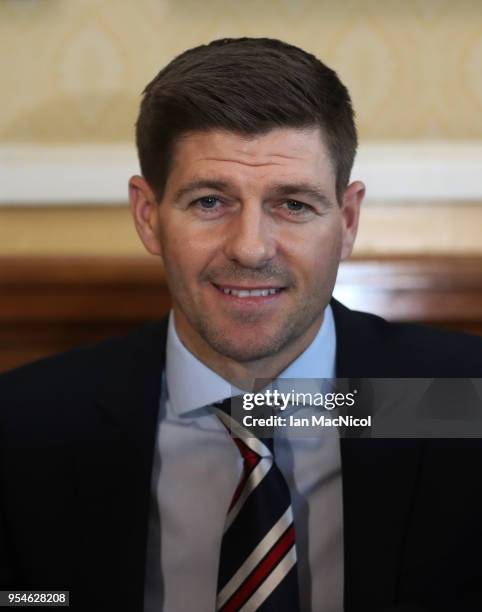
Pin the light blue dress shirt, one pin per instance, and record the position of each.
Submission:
(197, 467)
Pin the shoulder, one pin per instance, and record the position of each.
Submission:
(404, 349)
(81, 369)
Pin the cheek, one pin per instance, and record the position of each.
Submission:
(171, 239)
(184, 262)
(318, 255)
(172, 255)
(182, 241)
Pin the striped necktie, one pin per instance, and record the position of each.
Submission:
(257, 569)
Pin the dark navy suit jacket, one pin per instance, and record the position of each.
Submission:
(76, 450)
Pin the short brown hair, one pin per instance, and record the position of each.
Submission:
(245, 85)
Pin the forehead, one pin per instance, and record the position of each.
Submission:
(290, 152)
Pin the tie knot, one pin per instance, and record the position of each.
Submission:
(233, 416)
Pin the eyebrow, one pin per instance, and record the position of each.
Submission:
(216, 185)
(281, 190)
(303, 190)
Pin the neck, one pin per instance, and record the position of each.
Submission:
(251, 375)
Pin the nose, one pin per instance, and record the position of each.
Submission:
(250, 241)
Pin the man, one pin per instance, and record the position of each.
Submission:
(118, 473)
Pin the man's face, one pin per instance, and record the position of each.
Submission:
(251, 236)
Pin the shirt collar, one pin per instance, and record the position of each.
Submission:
(192, 385)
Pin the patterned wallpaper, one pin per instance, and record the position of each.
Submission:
(72, 70)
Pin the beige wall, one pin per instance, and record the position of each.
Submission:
(72, 72)
(75, 68)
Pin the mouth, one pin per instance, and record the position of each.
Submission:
(261, 293)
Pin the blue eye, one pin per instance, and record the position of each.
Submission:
(207, 203)
(295, 207)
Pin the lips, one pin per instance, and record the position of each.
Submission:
(247, 292)
(250, 292)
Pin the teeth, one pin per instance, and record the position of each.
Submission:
(242, 293)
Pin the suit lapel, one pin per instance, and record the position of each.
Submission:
(379, 475)
(113, 470)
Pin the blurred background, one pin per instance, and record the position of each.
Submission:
(72, 71)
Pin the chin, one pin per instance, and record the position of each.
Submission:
(244, 346)
(244, 353)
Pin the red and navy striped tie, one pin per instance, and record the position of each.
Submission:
(257, 569)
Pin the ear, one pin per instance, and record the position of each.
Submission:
(145, 212)
(350, 210)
